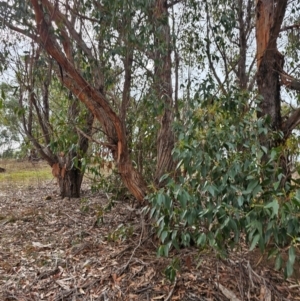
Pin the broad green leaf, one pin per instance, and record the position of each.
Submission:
(254, 241)
(160, 199)
(256, 190)
(264, 149)
(201, 240)
(240, 200)
(278, 262)
(289, 268)
(163, 177)
(292, 255)
(275, 207)
(211, 190)
(163, 236)
(250, 187)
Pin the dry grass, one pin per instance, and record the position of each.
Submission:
(23, 173)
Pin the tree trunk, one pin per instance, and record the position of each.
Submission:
(269, 87)
(269, 61)
(96, 102)
(269, 17)
(163, 89)
(69, 177)
(70, 184)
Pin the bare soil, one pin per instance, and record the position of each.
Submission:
(80, 249)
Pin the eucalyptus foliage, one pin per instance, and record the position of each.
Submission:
(223, 193)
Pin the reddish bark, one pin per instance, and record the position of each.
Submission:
(95, 102)
(269, 17)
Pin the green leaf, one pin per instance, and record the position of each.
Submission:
(160, 251)
(276, 185)
(297, 195)
(167, 203)
(273, 154)
(160, 199)
(164, 177)
(288, 271)
(254, 241)
(152, 212)
(166, 250)
(292, 255)
(211, 190)
(275, 207)
(240, 200)
(250, 187)
(256, 190)
(183, 197)
(278, 262)
(272, 253)
(163, 236)
(201, 240)
(163, 250)
(265, 150)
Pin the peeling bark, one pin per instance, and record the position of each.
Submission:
(95, 102)
(269, 17)
(69, 180)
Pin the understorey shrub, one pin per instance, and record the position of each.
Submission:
(228, 187)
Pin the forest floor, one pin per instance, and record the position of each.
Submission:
(75, 249)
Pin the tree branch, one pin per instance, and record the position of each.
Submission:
(211, 65)
(290, 27)
(34, 37)
(292, 122)
(289, 81)
(172, 3)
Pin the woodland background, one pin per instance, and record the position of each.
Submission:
(192, 107)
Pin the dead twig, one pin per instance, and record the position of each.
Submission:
(172, 290)
(121, 270)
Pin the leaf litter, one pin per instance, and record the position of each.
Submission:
(74, 249)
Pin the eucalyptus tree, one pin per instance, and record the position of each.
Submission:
(48, 116)
(252, 46)
(273, 29)
(234, 136)
(110, 37)
(131, 52)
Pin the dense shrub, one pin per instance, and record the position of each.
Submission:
(228, 186)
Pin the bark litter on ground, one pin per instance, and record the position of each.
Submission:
(76, 249)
